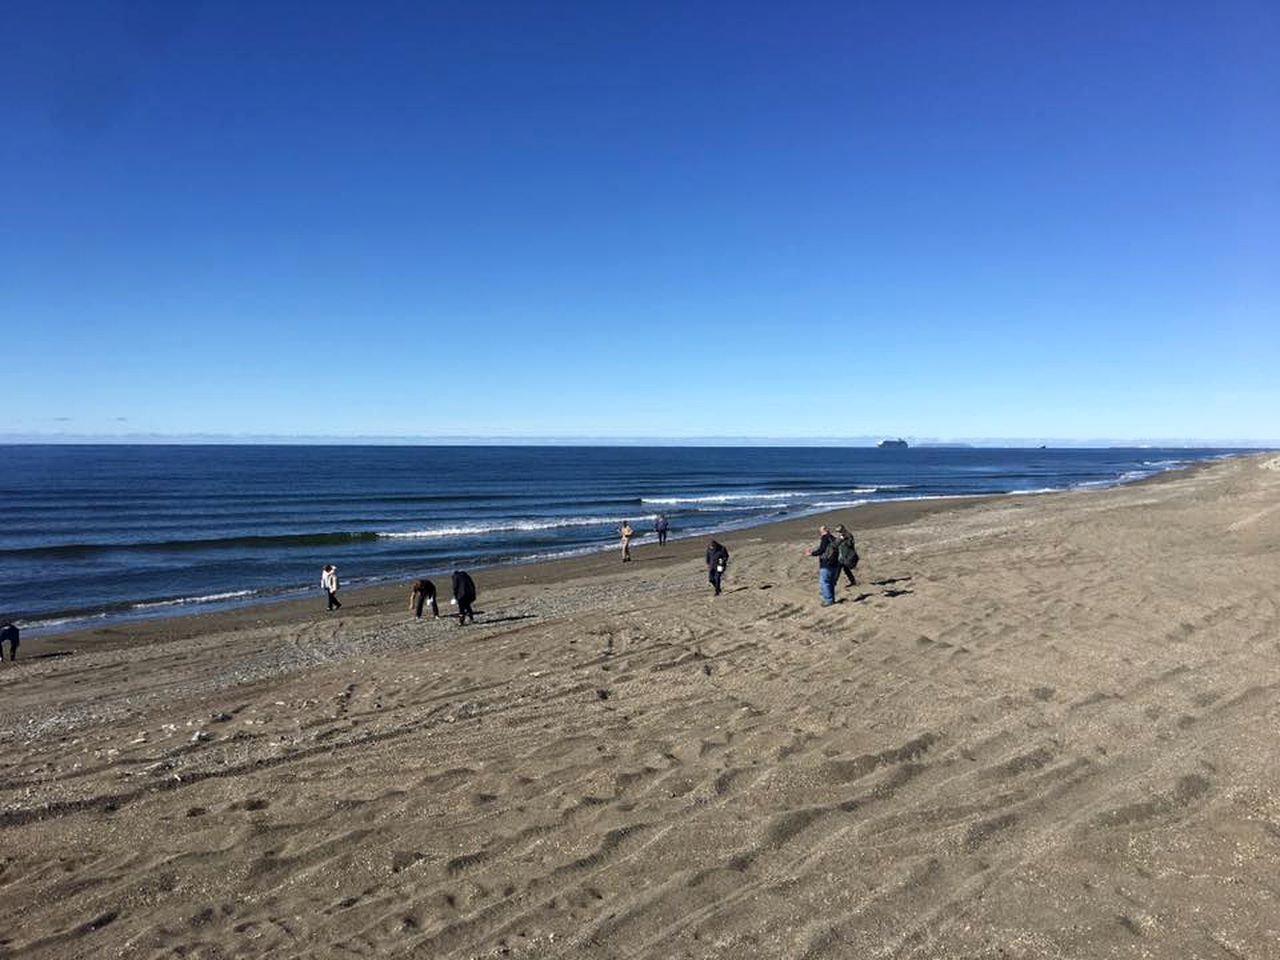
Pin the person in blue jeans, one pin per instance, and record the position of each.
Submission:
(828, 555)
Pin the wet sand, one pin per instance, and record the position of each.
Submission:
(1040, 726)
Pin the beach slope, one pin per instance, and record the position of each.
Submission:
(1040, 726)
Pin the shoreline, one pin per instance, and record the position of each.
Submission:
(387, 597)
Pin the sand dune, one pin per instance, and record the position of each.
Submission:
(1039, 727)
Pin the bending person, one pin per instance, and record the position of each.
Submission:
(424, 591)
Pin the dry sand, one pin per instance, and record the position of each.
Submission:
(1041, 726)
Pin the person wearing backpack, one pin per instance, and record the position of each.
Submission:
(464, 595)
(846, 552)
(717, 561)
(828, 554)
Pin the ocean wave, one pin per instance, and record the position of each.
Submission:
(52, 622)
(184, 601)
(936, 496)
(750, 497)
(498, 526)
(84, 550)
(88, 550)
(1129, 476)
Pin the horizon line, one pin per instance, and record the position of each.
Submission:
(860, 440)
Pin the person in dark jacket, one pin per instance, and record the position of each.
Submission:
(464, 595)
(717, 561)
(424, 591)
(828, 565)
(660, 527)
(846, 552)
(9, 634)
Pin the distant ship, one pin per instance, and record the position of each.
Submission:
(883, 444)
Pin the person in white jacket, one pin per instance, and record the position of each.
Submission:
(329, 583)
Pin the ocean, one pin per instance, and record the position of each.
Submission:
(95, 533)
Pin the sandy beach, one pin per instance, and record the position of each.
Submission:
(1040, 726)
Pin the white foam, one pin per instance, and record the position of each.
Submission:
(757, 497)
(1127, 477)
(183, 601)
(937, 496)
(499, 526)
(58, 621)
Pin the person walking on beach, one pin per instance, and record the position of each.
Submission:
(626, 532)
(827, 552)
(660, 527)
(464, 595)
(9, 634)
(846, 553)
(717, 561)
(329, 584)
(424, 591)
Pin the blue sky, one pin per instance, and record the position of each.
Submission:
(590, 219)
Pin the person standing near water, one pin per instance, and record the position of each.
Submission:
(626, 532)
(827, 552)
(464, 595)
(9, 634)
(660, 527)
(329, 584)
(424, 591)
(717, 561)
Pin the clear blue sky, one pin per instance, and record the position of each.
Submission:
(934, 219)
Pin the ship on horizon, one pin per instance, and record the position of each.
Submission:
(899, 443)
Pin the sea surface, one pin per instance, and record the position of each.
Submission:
(96, 533)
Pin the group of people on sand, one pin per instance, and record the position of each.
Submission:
(661, 526)
(837, 553)
(422, 594)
